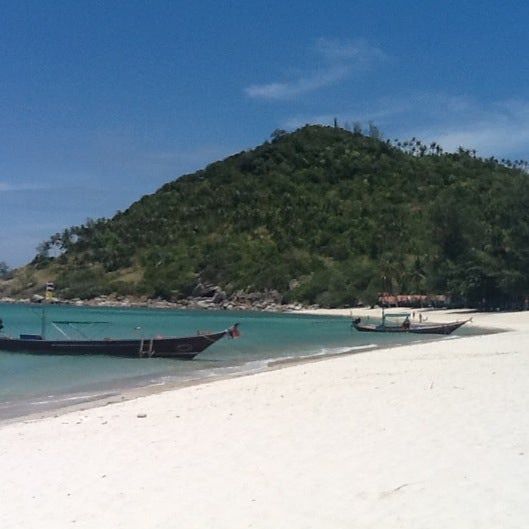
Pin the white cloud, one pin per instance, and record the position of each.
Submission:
(502, 129)
(336, 60)
(499, 129)
(7, 187)
(314, 81)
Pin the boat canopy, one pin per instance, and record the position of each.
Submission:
(398, 315)
(72, 324)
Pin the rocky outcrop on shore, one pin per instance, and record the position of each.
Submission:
(204, 296)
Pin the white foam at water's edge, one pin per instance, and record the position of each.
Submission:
(70, 398)
(324, 352)
(153, 384)
(342, 350)
(256, 366)
(51, 399)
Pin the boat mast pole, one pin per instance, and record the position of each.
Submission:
(43, 324)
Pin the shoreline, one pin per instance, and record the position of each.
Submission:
(196, 303)
(157, 384)
(129, 393)
(263, 305)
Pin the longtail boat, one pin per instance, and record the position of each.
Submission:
(407, 325)
(170, 347)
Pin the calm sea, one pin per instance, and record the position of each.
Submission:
(30, 383)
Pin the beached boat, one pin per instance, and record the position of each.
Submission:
(171, 347)
(407, 325)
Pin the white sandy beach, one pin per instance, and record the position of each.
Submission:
(425, 436)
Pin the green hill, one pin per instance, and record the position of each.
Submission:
(322, 215)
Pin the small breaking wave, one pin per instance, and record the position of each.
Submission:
(51, 400)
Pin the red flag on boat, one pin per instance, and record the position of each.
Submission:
(233, 331)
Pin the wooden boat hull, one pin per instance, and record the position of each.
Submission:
(182, 348)
(415, 328)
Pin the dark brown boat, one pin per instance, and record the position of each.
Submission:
(407, 326)
(173, 347)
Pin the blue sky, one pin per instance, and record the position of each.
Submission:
(102, 102)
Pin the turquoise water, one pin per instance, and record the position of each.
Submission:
(30, 382)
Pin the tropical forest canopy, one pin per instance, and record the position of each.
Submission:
(322, 215)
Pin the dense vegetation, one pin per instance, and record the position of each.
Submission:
(323, 215)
